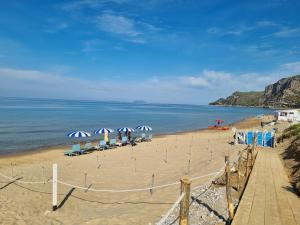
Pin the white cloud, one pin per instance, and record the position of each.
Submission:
(127, 28)
(195, 81)
(34, 83)
(288, 32)
(240, 29)
(291, 68)
(92, 45)
(200, 89)
(266, 23)
(117, 24)
(207, 79)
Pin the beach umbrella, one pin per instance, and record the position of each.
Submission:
(103, 131)
(125, 129)
(219, 121)
(144, 128)
(79, 134)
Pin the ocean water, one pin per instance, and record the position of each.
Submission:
(27, 124)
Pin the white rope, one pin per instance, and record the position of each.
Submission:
(163, 220)
(211, 180)
(118, 191)
(131, 190)
(24, 182)
(107, 190)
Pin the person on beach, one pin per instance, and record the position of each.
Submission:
(119, 138)
(106, 139)
(129, 136)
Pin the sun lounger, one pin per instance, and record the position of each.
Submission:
(124, 140)
(143, 137)
(113, 143)
(74, 151)
(149, 138)
(87, 147)
(102, 145)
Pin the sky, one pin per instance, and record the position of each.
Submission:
(160, 51)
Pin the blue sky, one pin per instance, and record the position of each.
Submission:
(168, 51)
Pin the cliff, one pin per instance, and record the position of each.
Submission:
(282, 94)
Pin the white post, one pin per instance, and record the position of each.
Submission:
(54, 187)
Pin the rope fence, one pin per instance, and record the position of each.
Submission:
(163, 220)
(105, 190)
(183, 200)
(25, 182)
(224, 169)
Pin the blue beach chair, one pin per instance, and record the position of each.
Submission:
(260, 140)
(249, 137)
(75, 150)
(113, 143)
(268, 139)
(124, 140)
(102, 145)
(87, 147)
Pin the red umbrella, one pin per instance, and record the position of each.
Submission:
(219, 121)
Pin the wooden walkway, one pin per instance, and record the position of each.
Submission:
(268, 199)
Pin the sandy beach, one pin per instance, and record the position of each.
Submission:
(168, 157)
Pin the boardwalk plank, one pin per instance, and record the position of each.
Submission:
(242, 216)
(258, 204)
(286, 214)
(268, 198)
(271, 206)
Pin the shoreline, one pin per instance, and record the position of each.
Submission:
(63, 147)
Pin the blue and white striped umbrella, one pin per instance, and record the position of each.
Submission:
(79, 134)
(103, 130)
(125, 129)
(144, 128)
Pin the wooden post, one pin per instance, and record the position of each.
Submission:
(152, 184)
(247, 164)
(185, 202)
(274, 141)
(235, 138)
(166, 156)
(228, 189)
(54, 187)
(85, 176)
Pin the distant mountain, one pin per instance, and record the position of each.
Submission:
(285, 93)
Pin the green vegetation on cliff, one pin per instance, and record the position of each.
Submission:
(283, 93)
(251, 98)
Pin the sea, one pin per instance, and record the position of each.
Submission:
(31, 124)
